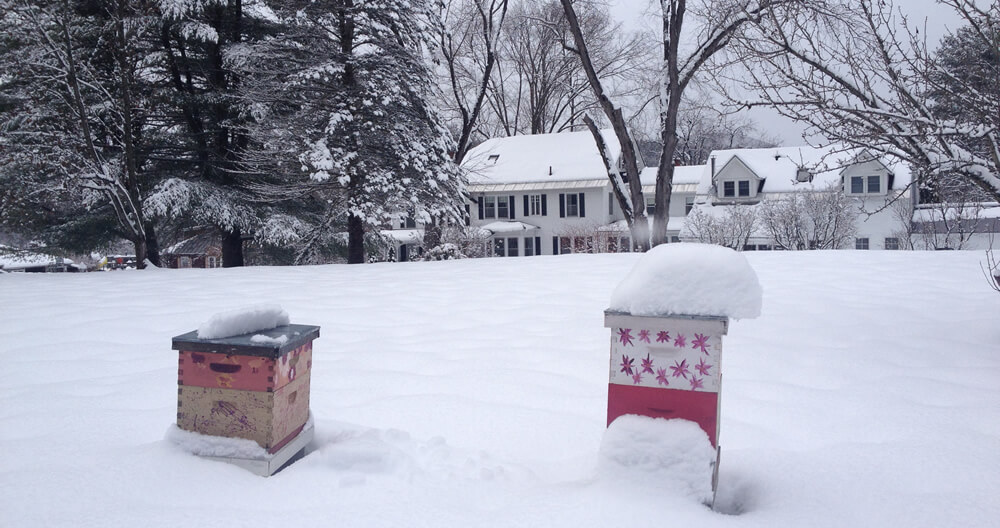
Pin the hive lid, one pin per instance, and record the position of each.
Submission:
(272, 343)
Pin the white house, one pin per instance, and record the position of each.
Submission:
(549, 194)
(743, 178)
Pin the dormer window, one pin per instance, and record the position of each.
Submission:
(734, 189)
(866, 184)
(803, 175)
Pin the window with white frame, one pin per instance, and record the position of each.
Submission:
(529, 246)
(512, 246)
(688, 204)
(891, 243)
(499, 247)
(572, 204)
(184, 262)
(650, 205)
(490, 207)
(861, 243)
(535, 204)
(738, 188)
(866, 184)
(209, 262)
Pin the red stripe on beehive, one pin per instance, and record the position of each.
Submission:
(699, 407)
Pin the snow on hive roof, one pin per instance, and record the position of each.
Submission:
(540, 157)
(779, 165)
(690, 279)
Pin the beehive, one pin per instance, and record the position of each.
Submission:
(253, 386)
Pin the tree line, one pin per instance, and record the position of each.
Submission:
(306, 125)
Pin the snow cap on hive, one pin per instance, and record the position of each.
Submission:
(243, 321)
(690, 279)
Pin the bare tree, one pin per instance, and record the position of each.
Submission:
(629, 199)
(470, 26)
(727, 225)
(721, 21)
(811, 219)
(857, 72)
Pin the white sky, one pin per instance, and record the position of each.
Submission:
(937, 19)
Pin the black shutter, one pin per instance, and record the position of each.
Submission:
(526, 212)
(555, 245)
(510, 207)
(562, 206)
(538, 245)
(583, 211)
(480, 207)
(545, 211)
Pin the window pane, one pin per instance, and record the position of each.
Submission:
(536, 204)
(572, 205)
(512, 247)
(861, 243)
(891, 243)
(502, 207)
(857, 185)
(529, 247)
(729, 188)
(874, 184)
(688, 204)
(490, 210)
(744, 188)
(498, 247)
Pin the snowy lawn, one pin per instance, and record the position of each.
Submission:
(473, 393)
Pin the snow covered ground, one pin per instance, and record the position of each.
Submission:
(473, 394)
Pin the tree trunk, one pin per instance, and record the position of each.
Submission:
(152, 246)
(232, 249)
(140, 252)
(355, 240)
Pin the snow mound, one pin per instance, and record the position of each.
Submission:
(243, 321)
(215, 446)
(691, 279)
(261, 339)
(673, 455)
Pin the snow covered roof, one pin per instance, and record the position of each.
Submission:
(507, 227)
(404, 236)
(683, 175)
(566, 156)
(778, 166)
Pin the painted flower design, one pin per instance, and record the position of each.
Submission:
(625, 336)
(647, 364)
(696, 383)
(644, 336)
(700, 341)
(661, 376)
(627, 365)
(663, 337)
(637, 378)
(703, 368)
(680, 341)
(680, 369)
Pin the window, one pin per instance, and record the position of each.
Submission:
(210, 262)
(565, 245)
(688, 204)
(861, 243)
(407, 223)
(732, 189)
(744, 188)
(490, 207)
(503, 210)
(866, 185)
(874, 184)
(749, 247)
(184, 262)
(625, 245)
(763, 247)
(650, 205)
(529, 246)
(891, 243)
(729, 189)
(499, 247)
(535, 205)
(572, 205)
(675, 239)
(512, 247)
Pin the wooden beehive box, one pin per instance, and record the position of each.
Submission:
(253, 386)
(666, 367)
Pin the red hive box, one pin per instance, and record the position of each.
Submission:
(253, 386)
(666, 367)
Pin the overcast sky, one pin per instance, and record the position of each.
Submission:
(937, 19)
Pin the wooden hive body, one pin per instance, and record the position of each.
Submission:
(241, 387)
